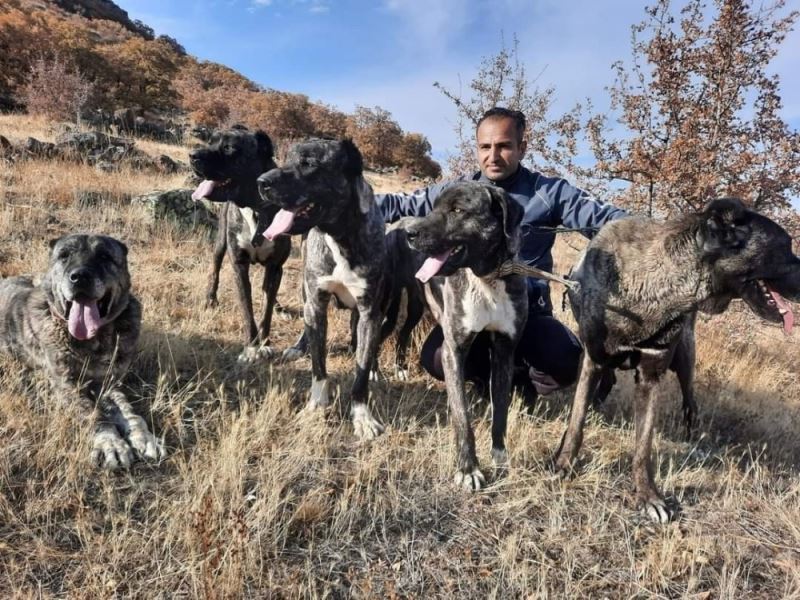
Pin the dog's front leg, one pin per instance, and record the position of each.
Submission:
(134, 428)
(241, 267)
(367, 344)
(454, 354)
(648, 497)
(414, 311)
(220, 246)
(109, 449)
(501, 384)
(273, 273)
(683, 362)
(573, 436)
(315, 318)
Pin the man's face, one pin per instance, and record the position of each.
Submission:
(499, 149)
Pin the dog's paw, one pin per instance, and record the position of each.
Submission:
(320, 394)
(563, 467)
(311, 415)
(365, 425)
(284, 314)
(143, 441)
(656, 510)
(211, 303)
(374, 375)
(472, 480)
(254, 354)
(292, 354)
(500, 461)
(401, 374)
(110, 451)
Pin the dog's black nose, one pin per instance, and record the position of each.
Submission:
(267, 178)
(265, 182)
(80, 275)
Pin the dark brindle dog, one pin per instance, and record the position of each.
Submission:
(321, 191)
(472, 230)
(230, 164)
(402, 262)
(81, 325)
(640, 284)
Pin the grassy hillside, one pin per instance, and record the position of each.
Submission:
(257, 501)
(130, 68)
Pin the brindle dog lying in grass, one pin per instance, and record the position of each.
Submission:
(81, 325)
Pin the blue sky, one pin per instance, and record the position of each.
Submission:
(389, 52)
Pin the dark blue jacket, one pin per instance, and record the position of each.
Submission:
(547, 201)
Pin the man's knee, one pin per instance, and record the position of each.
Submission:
(430, 356)
(549, 347)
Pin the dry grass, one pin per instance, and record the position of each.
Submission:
(19, 127)
(256, 500)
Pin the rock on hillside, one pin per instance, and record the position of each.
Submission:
(103, 9)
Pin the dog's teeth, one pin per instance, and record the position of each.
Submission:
(783, 311)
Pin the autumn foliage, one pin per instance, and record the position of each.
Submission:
(56, 90)
(700, 112)
(125, 65)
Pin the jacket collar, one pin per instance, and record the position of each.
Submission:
(506, 183)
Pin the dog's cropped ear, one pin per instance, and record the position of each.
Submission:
(265, 149)
(353, 162)
(724, 226)
(364, 192)
(511, 213)
(122, 247)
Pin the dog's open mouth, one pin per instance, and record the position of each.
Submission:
(85, 317)
(207, 186)
(434, 264)
(771, 304)
(282, 222)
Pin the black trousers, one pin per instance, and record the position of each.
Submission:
(546, 345)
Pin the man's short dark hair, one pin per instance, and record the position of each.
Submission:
(498, 112)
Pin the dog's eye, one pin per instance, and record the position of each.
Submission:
(457, 210)
(63, 255)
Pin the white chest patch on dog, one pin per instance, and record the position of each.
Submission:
(347, 285)
(245, 237)
(487, 306)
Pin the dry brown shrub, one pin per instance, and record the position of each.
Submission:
(55, 89)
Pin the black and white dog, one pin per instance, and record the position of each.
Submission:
(230, 163)
(321, 191)
(471, 232)
(402, 263)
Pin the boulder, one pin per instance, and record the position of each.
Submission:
(7, 149)
(177, 206)
(91, 143)
(33, 148)
(168, 165)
